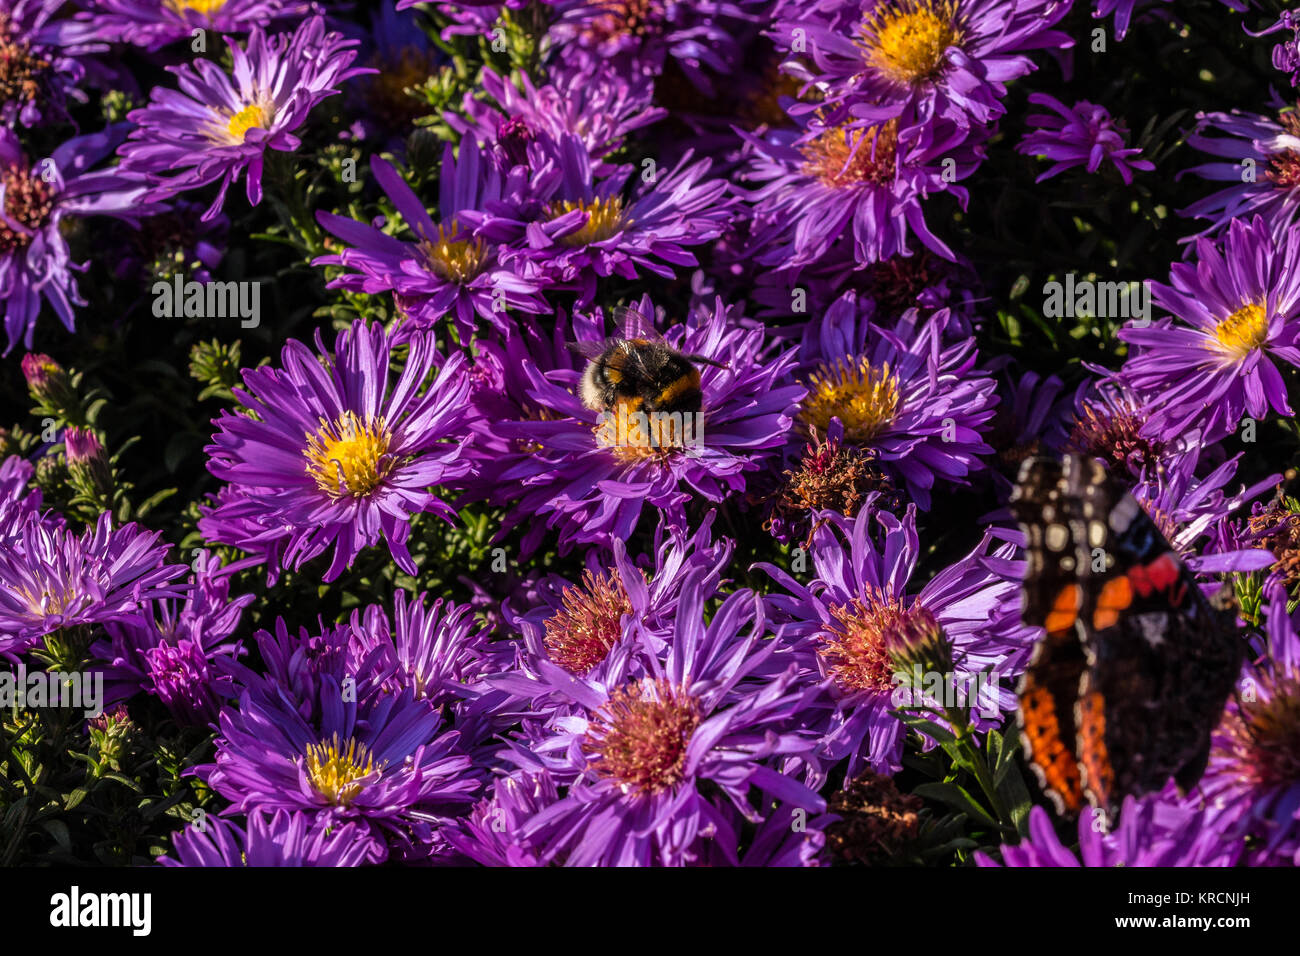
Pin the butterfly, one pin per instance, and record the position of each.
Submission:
(1136, 665)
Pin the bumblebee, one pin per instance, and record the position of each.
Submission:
(640, 372)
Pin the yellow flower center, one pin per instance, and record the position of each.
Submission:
(840, 157)
(604, 219)
(1242, 332)
(906, 40)
(864, 398)
(233, 128)
(453, 259)
(205, 7)
(339, 772)
(349, 457)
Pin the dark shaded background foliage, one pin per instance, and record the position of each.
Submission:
(1018, 234)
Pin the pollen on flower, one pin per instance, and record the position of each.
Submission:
(1112, 431)
(830, 476)
(1242, 332)
(863, 397)
(22, 72)
(634, 435)
(1261, 738)
(906, 40)
(620, 18)
(338, 771)
(840, 157)
(348, 457)
(51, 599)
(29, 199)
(589, 622)
(234, 127)
(856, 647)
(640, 739)
(1284, 165)
(604, 219)
(451, 257)
(204, 7)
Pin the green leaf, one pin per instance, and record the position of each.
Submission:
(957, 797)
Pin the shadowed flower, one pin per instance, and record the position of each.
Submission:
(36, 199)
(39, 66)
(51, 578)
(1080, 135)
(1261, 161)
(1156, 832)
(218, 126)
(168, 649)
(337, 454)
(275, 839)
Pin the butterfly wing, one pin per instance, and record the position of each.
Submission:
(1161, 660)
(1051, 598)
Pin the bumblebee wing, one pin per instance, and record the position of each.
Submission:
(634, 324)
(590, 350)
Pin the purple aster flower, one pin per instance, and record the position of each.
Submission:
(51, 578)
(490, 835)
(599, 627)
(1188, 508)
(1110, 424)
(338, 455)
(1253, 778)
(153, 25)
(841, 627)
(1233, 313)
(578, 472)
(1123, 10)
(383, 760)
(937, 68)
(658, 770)
(1080, 135)
(1033, 419)
(35, 199)
(448, 269)
(218, 126)
(17, 504)
(918, 404)
(403, 57)
(1286, 55)
(39, 69)
(821, 182)
(439, 651)
(601, 110)
(638, 36)
(1262, 164)
(169, 649)
(275, 839)
(1156, 832)
(590, 228)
